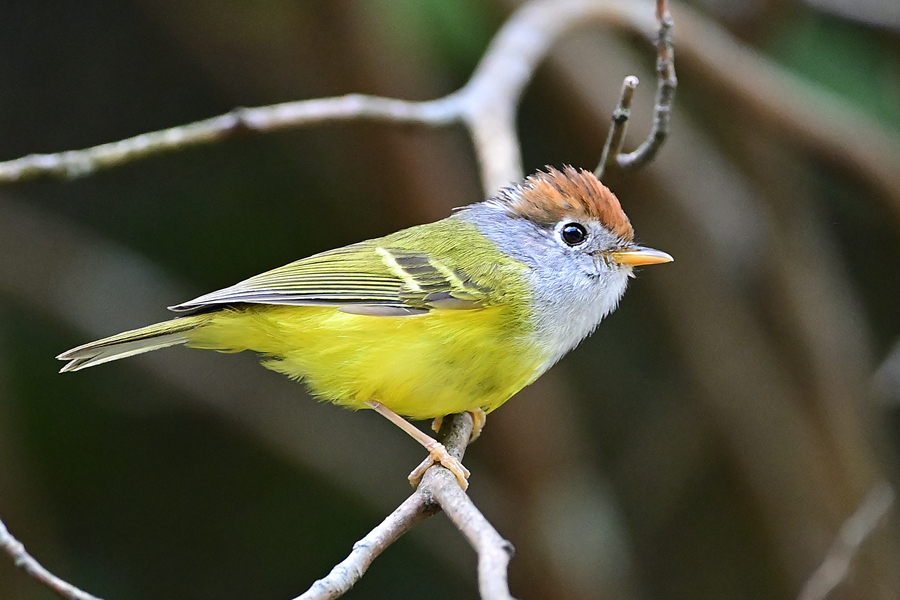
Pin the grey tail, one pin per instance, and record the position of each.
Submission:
(129, 343)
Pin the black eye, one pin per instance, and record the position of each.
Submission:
(573, 234)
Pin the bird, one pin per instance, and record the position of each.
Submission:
(451, 316)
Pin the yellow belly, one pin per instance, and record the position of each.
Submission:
(421, 366)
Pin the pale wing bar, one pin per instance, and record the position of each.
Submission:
(417, 281)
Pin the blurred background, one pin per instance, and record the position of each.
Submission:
(707, 442)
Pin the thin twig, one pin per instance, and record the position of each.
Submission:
(77, 163)
(439, 490)
(486, 104)
(665, 94)
(619, 126)
(26, 562)
(494, 552)
(350, 570)
(852, 534)
(441, 487)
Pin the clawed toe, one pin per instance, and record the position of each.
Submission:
(439, 455)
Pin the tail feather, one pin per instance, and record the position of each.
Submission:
(129, 343)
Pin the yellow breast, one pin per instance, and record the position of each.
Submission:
(421, 366)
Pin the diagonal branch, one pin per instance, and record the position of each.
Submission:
(438, 490)
(855, 530)
(264, 119)
(440, 485)
(494, 552)
(26, 562)
(350, 570)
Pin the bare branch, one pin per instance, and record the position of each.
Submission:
(494, 552)
(852, 534)
(821, 121)
(616, 137)
(350, 570)
(77, 163)
(26, 562)
(441, 487)
(665, 94)
(486, 104)
(439, 490)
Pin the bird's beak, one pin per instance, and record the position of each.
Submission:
(634, 256)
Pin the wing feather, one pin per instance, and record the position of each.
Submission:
(361, 275)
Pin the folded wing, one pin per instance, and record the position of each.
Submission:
(362, 278)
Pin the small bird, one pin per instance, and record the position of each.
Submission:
(452, 316)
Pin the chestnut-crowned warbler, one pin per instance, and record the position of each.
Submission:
(453, 316)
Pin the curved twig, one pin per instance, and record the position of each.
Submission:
(439, 490)
(350, 570)
(486, 104)
(665, 94)
(613, 146)
(855, 530)
(26, 562)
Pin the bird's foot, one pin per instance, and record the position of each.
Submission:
(437, 454)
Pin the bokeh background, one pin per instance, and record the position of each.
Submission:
(706, 443)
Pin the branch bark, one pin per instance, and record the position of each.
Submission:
(486, 104)
(439, 490)
(23, 560)
(619, 126)
(665, 94)
(346, 573)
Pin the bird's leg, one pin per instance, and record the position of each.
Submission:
(479, 418)
(437, 453)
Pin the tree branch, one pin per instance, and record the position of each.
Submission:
(438, 490)
(486, 104)
(23, 560)
(852, 534)
(665, 93)
(264, 119)
(350, 570)
(613, 146)
(440, 485)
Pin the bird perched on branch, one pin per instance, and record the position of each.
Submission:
(452, 316)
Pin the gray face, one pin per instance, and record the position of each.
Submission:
(574, 285)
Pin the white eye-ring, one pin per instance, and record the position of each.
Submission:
(573, 234)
